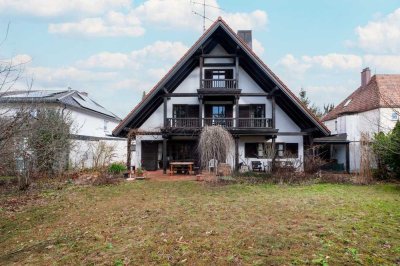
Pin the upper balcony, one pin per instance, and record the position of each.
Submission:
(219, 84)
(229, 123)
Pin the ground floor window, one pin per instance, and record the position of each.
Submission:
(283, 150)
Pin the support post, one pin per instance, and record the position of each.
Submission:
(237, 111)
(165, 112)
(164, 154)
(237, 153)
(274, 155)
(273, 124)
(201, 72)
(237, 71)
(200, 112)
(348, 158)
(129, 152)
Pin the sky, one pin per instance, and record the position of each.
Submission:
(116, 49)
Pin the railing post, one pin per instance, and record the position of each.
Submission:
(236, 111)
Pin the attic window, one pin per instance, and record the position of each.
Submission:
(347, 102)
(395, 116)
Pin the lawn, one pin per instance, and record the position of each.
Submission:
(183, 222)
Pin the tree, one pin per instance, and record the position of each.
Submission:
(313, 107)
(215, 143)
(387, 149)
(49, 140)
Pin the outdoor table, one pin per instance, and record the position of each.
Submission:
(177, 165)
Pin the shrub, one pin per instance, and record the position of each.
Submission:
(116, 168)
(139, 171)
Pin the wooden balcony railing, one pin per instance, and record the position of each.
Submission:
(219, 84)
(183, 122)
(224, 122)
(255, 122)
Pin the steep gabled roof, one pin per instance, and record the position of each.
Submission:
(69, 97)
(381, 91)
(255, 67)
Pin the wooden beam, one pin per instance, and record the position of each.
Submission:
(200, 112)
(164, 154)
(254, 94)
(201, 71)
(273, 112)
(237, 71)
(237, 153)
(219, 64)
(165, 111)
(236, 111)
(170, 95)
(219, 55)
(129, 152)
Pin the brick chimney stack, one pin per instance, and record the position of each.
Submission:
(246, 36)
(365, 76)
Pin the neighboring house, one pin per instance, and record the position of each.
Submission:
(91, 122)
(220, 81)
(374, 107)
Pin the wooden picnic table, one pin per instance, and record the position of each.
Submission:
(180, 166)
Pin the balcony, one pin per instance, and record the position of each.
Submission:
(218, 84)
(194, 123)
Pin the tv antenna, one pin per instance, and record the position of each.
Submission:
(204, 5)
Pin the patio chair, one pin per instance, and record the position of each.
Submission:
(212, 164)
(256, 166)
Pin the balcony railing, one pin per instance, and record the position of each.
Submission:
(219, 84)
(224, 122)
(255, 122)
(183, 122)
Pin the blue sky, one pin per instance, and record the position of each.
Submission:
(116, 49)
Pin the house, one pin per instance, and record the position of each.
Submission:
(220, 81)
(91, 123)
(373, 107)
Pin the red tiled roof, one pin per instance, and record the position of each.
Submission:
(381, 91)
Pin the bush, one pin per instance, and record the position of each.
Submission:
(387, 149)
(116, 168)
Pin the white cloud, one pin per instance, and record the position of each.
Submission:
(381, 35)
(383, 63)
(21, 59)
(53, 8)
(111, 25)
(293, 65)
(65, 76)
(105, 60)
(334, 60)
(158, 54)
(179, 14)
(258, 48)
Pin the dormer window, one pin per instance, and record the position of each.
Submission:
(347, 102)
(395, 116)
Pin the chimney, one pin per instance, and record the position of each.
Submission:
(365, 76)
(245, 35)
(84, 93)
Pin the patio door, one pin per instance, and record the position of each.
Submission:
(150, 155)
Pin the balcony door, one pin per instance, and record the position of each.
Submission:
(218, 78)
(219, 114)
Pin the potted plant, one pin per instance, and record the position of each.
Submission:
(139, 172)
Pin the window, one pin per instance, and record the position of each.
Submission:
(218, 111)
(105, 125)
(347, 102)
(218, 78)
(280, 149)
(292, 150)
(250, 150)
(185, 111)
(335, 125)
(395, 116)
(283, 150)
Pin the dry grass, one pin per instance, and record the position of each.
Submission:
(180, 222)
